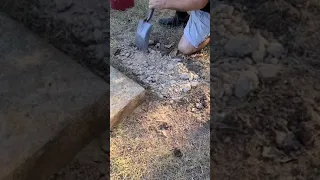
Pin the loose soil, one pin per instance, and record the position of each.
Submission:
(79, 28)
(265, 90)
(168, 136)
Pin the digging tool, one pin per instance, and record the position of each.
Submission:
(143, 32)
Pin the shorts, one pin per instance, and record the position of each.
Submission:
(197, 29)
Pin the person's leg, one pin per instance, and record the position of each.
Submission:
(196, 34)
(186, 48)
(178, 19)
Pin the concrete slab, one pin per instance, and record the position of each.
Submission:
(125, 96)
(50, 106)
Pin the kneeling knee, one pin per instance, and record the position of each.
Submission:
(185, 49)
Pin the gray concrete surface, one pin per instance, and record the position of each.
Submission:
(50, 106)
(125, 96)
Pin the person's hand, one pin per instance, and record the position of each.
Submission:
(157, 4)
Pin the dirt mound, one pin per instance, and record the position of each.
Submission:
(274, 133)
(265, 92)
(78, 28)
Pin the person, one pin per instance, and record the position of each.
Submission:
(197, 30)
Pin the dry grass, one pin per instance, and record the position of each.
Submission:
(139, 150)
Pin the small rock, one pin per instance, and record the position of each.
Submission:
(306, 134)
(258, 55)
(248, 60)
(199, 105)
(227, 139)
(235, 29)
(266, 152)
(227, 22)
(239, 46)
(176, 60)
(229, 10)
(193, 84)
(158, 45)
(170, 67)
(221, 30)
(127, 54)
(260, 41)
(236, 19)
(274, 61)
(151, 42)
(269, 152)
(185, 76)
(173, 82)
(276, 49)
(247, 82)
(290, 142)
(246, 29)
(186, 88)
(227, 89)
(195, 76)
(164, 133)
(268, 70)
(280, 136)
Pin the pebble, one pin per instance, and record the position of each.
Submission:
(258, 56)
(199, 105)
(276, 49)
(186, 88)
(151, 42)
(193, 84)
(240, 46)
(247, 82)
(248, 60)
(274, 61)
(268, 70)
(173, 82)
(185, 76)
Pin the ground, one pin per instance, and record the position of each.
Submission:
(168, 136)
(265, 90)
(264, 85)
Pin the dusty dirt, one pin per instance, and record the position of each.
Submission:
(79, 28)
(265, 90)
(168, 136)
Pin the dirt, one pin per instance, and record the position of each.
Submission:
(168, 136)
(164, 140)
(265, 90)
(79, 28)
